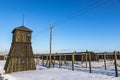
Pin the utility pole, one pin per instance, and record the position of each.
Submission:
(51, 26)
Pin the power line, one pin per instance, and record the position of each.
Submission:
(82, 11)
(41, 32)
(78, 13)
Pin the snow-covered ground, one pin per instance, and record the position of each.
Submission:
(65, 72)
(2, 63)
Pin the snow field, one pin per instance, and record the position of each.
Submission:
(64, 73)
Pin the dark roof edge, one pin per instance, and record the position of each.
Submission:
(22, 28)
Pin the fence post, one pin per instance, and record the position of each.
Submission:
(89, 62)
(73, 58)
(54, 61)
(86, 59)
(60, 61)
(42, 60)
(105, 60)
(46, 60)
(115, 62)
(81, 58)
(65, 60)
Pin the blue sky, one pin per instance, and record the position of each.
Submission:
(78, 24)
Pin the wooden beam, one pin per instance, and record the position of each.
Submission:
(105, 60)
(73, 61)
(115, 62)
(89, 62)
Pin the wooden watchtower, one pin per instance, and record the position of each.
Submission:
(20, 57)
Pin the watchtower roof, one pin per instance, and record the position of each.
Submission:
(22, 28)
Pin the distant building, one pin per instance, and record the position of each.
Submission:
(20, 57)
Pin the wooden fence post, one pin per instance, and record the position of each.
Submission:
(115, 62)
(89, 62)
(86, 59)
(73, 58)
(54, 61)
(105, 60)
(81, 58)
(65, 60)
(60, 61)
(42, 60)
(46, 60)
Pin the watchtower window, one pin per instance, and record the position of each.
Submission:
(28, 34)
